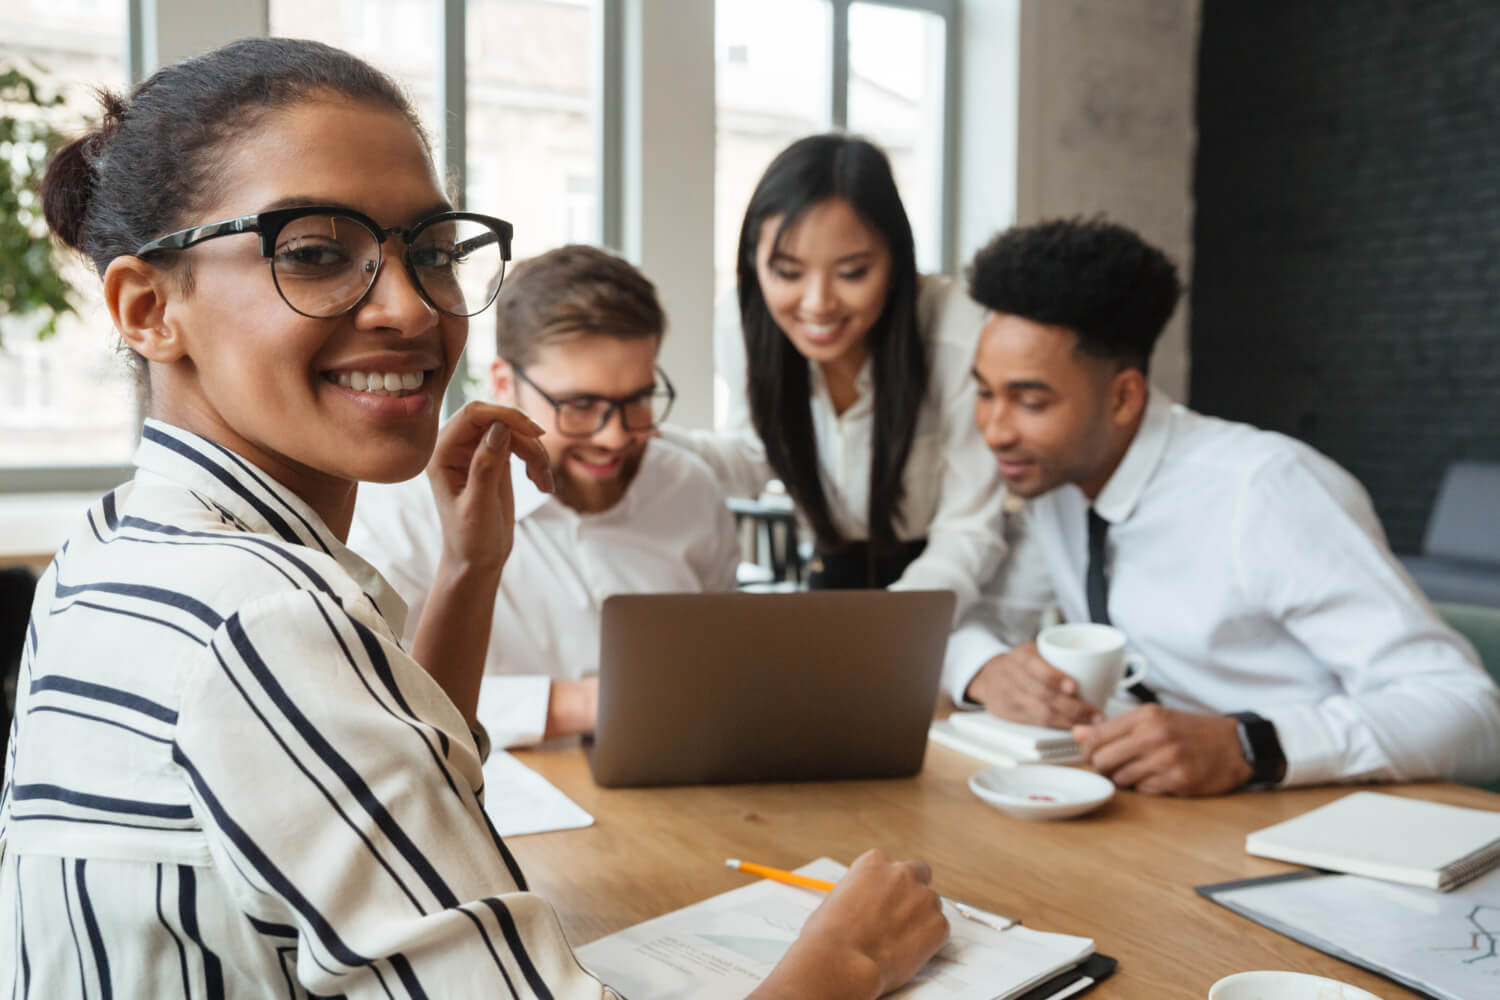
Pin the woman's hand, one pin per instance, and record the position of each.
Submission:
(470, 478)
(879, 925)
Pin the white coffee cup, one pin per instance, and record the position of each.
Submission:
(1093, 655)
(1267, 985)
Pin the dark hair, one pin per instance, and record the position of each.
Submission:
(150, 164)
(1098, 279)
(807, 173)
(570, 292)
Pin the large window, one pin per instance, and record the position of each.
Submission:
(398, 36)
(788, 68)
(531, 132)
(897, 99)
(773, 80)
(66, 400)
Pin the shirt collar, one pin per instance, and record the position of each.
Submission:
(1118, 499)
(864, 382)
(257, 503)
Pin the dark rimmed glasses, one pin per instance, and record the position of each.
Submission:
(325, 258)
(586, 414)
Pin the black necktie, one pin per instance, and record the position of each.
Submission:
(1096, 586)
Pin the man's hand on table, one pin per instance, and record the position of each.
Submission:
(1021, 686)
(1161, 751)
(572, 707)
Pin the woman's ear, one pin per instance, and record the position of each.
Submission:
(136, 294)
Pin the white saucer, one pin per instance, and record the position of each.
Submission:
(1041, 791)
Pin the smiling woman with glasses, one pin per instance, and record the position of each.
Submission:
(324, 258)
(228, 776)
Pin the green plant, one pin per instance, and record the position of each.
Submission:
(31, 282)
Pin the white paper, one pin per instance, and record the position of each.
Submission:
(520, 801)
(1444, 943)
(724, 946)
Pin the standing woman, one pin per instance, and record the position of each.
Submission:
(226, 777)
(852, 384)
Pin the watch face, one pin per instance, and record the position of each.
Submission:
(1261, 747)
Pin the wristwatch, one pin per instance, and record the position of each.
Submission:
(1262, 749)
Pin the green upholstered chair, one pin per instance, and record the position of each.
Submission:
(1481, 626)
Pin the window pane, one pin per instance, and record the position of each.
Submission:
(896, 91)
(66, 400)
(398, 36)
(773, 74)
(531, 132)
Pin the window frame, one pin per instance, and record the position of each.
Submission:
(949, 12)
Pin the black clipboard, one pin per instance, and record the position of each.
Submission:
(1073, 982)
(1211, 893)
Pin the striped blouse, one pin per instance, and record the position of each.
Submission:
(226, 779)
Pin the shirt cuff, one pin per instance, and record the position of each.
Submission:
(1312, 753)
(513, 708)
(970, 647)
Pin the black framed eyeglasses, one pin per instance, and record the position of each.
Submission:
(586, 414)
(324, 258)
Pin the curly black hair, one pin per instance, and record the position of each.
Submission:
(1096, 278)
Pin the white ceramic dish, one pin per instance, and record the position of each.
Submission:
(1041, 791)
(1268, 985)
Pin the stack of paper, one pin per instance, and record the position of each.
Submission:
(723, 947)
(998, 741)
(518, 800)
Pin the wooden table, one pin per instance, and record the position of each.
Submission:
(1123, 875)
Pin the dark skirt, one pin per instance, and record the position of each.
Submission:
(856, 567)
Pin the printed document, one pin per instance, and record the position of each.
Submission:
(725, 945)
(1446, 944)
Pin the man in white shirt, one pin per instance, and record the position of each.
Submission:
(577, 333)
(1285, 643)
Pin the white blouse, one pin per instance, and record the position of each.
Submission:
(954, 492)
(226, 778)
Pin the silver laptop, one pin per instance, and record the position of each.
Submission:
(723, 688)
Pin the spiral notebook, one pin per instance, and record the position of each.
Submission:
(1387, 837)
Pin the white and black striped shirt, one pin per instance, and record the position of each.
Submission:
(226, 779)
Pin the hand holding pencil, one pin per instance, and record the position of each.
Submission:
(880, 924)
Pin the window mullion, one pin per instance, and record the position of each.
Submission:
(839, 91)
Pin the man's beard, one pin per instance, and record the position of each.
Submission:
(592, 496)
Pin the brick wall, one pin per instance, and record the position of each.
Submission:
(1346, 281)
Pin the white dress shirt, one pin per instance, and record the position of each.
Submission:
(1252, 573)
(954, 494)
(670, 532)
(226, 778)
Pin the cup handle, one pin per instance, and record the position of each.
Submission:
(1135, 670)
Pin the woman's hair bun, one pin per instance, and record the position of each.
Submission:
(69, 183)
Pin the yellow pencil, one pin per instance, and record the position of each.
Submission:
(979, 916)
(779, 875)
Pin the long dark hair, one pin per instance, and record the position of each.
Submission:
(806, 173)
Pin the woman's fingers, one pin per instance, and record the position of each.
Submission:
(462, 439)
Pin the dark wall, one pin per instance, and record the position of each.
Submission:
(1346, 276)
